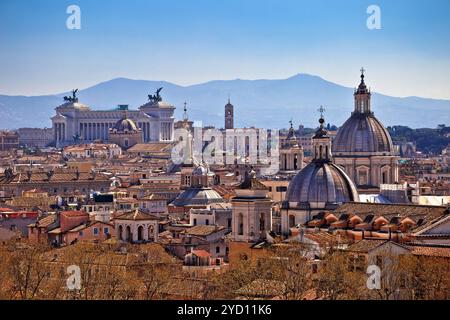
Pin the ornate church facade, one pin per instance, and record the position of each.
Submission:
(75, 122)
(363, 146)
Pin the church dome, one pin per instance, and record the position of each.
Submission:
(197, 196)
(125, 124)
(321, 182)
(362, 132)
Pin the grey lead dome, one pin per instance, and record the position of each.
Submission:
(321, 182)
(362, 132)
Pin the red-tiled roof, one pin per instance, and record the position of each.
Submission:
(201, 253)
(429, 251)
(73, 213)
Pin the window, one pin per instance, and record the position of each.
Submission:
(229, 222)
(95, 231)
(195, 222)
(291, 221)
(106, 230)
(363, 177)
(207, 222)
(80, 233)
(217, 249)
(384, 177)
(281, 189)
(241, 224)
(262, 222)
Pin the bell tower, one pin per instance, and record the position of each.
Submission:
(229, 115)
(322, 141)
(251, 210)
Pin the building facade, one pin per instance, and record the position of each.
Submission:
(75, 122)
(35, 137)
(9, 140)
(251, 211)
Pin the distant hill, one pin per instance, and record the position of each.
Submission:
(262, 103)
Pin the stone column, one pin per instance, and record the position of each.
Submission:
(55, 136)
(145, 233)
(134, 230)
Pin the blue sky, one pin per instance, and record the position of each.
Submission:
(192, 41)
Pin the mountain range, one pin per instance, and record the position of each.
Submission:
(259, 103)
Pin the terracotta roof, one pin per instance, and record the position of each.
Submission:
(136, 215)
(322, 238)
(224, 191)
(151, 147)
(46, 221)
(418, 213)
(74, 213)
(42, 177)
(366, 245)
(203, 230)
(431, 251)
(87, 225)
(201, 253)
(153, 197)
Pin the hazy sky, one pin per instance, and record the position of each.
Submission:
(192, 41)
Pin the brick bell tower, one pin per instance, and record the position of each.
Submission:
(229, 115)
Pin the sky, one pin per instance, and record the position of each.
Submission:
(193, 41)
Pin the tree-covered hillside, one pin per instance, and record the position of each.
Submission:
(427, 140)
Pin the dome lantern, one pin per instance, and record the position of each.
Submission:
(362, 96)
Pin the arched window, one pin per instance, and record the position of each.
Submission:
(120, 232)
(151, 232)
(240, 224)
(128, 234)
(140, 233)
(385, 176)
